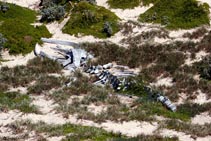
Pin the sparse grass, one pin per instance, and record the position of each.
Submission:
(87, 19)
(147, 35)
(16, 28)
(45, 83)
(193, 109)
(77, 132)
(197, 34)
(135, 56)
(17, 76)
(72, 132)
(176, 14)
(44, 65)
(148, 138)
(188, 128)
(23, 75)
(13, 100)
(155, 108)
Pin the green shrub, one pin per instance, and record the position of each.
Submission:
(89, 19)
(176, 14)
(16, 27)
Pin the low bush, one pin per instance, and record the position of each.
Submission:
(52, 12)
(2, 42)
(24, 75)
(196, 34)
(205, 68)
(43, 65)
(45, 83)
(190, 14)
(88, 19)
(193, 109)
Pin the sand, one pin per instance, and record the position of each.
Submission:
(201, 119)
(199, 57)
(15, 60)
(32, 4)
(163, 82)
(127, 14)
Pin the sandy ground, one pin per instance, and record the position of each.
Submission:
(163, 82)
(201, 98)
(201, 119)
(32, 4)
(182, 136)
(49, 116)
(12, 60)
(198, 58)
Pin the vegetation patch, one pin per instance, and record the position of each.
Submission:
(52, 12)
(193, 109)
(88, 19)
(205, 68)
(177, 14)
(192, 129)
(13, 100)
(15, 25)
(45, 83)
(23, 75)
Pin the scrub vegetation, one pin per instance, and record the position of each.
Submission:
(36, 69)
(15, 25)
(177, 14)
(73, 132)
(14, 100)
(188, 128)
(155, 60)
(88, 19)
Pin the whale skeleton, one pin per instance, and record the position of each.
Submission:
(74, 58)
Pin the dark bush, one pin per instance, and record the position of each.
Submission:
(4, 7)
(107, 29)
(2, 42)
(205, 68)
(52, 12)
